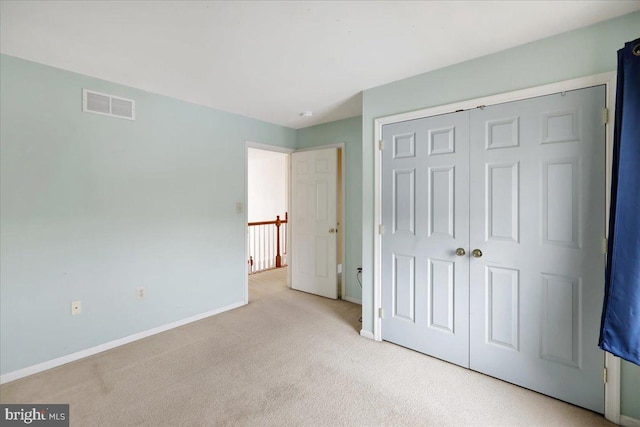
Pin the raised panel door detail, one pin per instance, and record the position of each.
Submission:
(322, 205)
(442, 141)
(503, 307)
(306, 258)
(441, 292)
(404, 200)
(502, 133)
(561, 319)
(322, 256)
(560, 221)
(441, 201)
(322, 165)
(404, 145)
(424, 203)
(303, 167)
(302, 202)
(560, 126)
(404, 287)
(502, 202)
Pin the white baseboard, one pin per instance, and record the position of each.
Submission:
(629, 422)
(34, 369)
(366, 334)
(353, 300)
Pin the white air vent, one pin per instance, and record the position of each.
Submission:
(108, 105)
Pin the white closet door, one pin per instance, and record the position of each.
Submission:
(526, 203)
(537, 215)
(425, 219)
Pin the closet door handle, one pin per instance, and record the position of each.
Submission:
(460, 252)
(477, 253)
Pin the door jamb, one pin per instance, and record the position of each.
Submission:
(342, 147)
(259, 146)
(611, 363)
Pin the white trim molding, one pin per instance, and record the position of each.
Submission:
(366, 334)
(267, 147)
(629, 422)
(353, 300)
(34, 369)
(612, 388)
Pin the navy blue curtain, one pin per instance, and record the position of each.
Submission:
(620, 329)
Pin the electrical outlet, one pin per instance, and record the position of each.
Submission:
(141, 293)
(76, 307)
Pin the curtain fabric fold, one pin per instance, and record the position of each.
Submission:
(620, 327)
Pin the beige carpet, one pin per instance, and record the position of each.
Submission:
(287, 358)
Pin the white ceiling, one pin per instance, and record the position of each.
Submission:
(272, 60)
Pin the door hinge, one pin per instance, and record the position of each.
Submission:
(380, 313)
(381, 144)
(605, 245)
(381, 229)
(604, 376)
(605, 116)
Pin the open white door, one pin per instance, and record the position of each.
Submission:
(313, 222)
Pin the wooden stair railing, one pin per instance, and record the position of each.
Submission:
(267, 244)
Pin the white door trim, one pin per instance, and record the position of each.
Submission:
(259, 146)
(612, 388)
(343, 155)
(612, 363)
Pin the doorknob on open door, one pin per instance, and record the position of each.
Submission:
(332, 230)
(477, 253)
(460, 252)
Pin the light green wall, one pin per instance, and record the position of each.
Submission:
(584, 52)
(349, 132)
(93, 207)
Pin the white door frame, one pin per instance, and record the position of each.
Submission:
(276, 148)
(611, 363)
(341, 146)
(266, 147)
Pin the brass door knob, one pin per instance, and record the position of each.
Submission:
(477, 253)
(460, 252)
(332, 230)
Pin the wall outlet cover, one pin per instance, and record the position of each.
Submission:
(76, 307)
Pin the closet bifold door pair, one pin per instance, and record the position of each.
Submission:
(492, 255)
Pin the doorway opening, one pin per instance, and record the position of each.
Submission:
(267, 216)
(267, 209)
(271, 214)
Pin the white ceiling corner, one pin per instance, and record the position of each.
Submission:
(271, 60)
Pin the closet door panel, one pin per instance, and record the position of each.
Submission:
(425, 216)
(537, 215)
